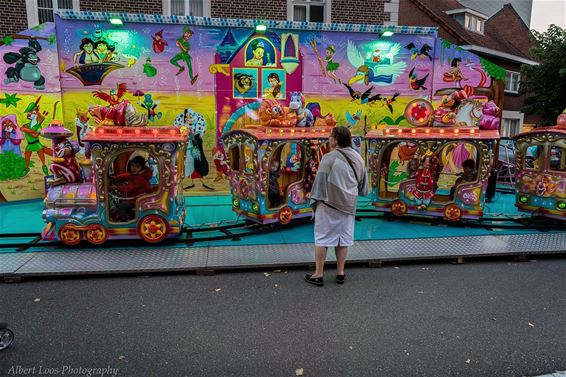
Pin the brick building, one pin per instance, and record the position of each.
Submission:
(502, 38)
(21, 14)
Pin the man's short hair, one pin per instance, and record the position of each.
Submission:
(343, 136)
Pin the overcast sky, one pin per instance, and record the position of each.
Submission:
(546, 12)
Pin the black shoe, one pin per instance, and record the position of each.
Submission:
(315, 281)
(340, 279)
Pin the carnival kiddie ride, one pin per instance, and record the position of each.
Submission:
(540, 170)
(439, 166)
(86, 203)
(286, 148)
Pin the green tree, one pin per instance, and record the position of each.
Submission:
(545, 84)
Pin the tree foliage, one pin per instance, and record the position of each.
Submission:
(545, 84)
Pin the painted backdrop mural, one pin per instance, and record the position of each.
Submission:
(213, 79)
(30, 96)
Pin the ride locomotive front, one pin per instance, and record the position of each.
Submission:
(130, 189)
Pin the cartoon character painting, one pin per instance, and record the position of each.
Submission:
(415, 83)
(196, 165)
(105, 51)
(274, 88)
(86, 55)
(184, 47)
(11, 136)
(158, 42)
(416, 52)
(26, 65)
(384, 72)
(455, 72)
(114, 97)
(150, 105)
(243, 82)
(365, 97)
(401, 157)
(31, 131)
(331, 65)
(219, 164)
(258, 50)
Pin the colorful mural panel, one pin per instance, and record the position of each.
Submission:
(212, 77)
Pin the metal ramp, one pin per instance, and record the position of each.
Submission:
(15, 266)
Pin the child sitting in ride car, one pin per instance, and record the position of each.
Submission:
(274, 193)
(468, 175)
(132, 184)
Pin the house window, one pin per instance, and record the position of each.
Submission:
(40, 11)
(512, 80)
(474, 23)
(511, 127)
(198, 8)
(308, 10)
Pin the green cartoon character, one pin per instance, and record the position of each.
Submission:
(184, 47)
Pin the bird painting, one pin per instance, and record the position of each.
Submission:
(353, 118)
(114, 97)
(365, 97)
(388, 101)
(414, 82)
(382, 72)
(416, 52)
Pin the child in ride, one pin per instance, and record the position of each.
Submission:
(274, 193)
(468, 175)
(132, 184)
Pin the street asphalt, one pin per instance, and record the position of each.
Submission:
(483, 318)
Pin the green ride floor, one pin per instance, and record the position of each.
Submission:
(25, 217)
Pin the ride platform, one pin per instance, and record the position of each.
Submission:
(378, 239)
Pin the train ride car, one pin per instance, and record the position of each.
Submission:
(271, 170)
(133, 190)
(441, 165)
(540, 171)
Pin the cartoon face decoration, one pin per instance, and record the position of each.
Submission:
(277, 111)
(64, 148)
(243, 82)
(7, 126)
